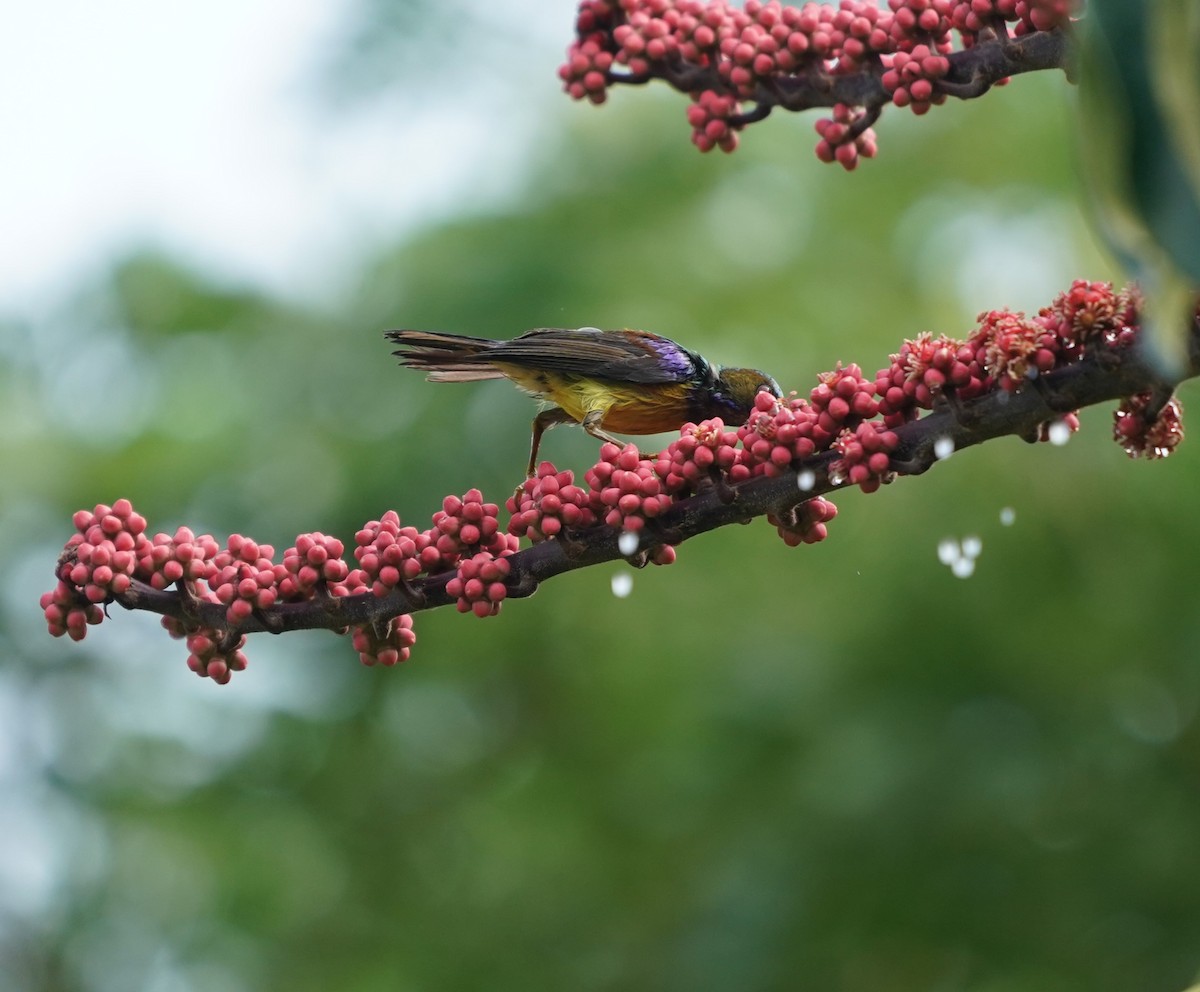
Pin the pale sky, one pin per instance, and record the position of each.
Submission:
(193, 126)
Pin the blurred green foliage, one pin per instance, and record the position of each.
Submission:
(835, 767)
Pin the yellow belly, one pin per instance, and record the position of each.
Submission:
(626, 408)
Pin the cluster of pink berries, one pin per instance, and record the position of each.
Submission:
(775, 434)
(98, 563)
(840, 398)
(910, 78)
(110, 551)
(464, 525)
(478, 584)
(921, 371)
(865, 455)
(778, 433)
(737, 54)
(103, 556)
(1092, 313)
(713, 117)
(1007, 350)
(701, 451)
(1015, 348)
(210, 657)
(843, 138)
(315, 559)
(389, 554)
(181, 557)
(806, 524)
(243, 578)
(969, 19)
(66, 613)
(390, 649)
(547, 503)
(626, 488)
(1143, 435)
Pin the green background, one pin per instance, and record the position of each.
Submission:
(835, 767)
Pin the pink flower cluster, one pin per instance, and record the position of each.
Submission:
(844, 138)
(99, 562)
(104, 554)
(389, 554)
(314, 559)
(837, 415)
(806, 524)
(1030, 15)
(548, 503)
(919, 373)
(465, 534)
(866, 455)
(626, 488)
(393, 647)
(465, 524)
(776, 434)
(211, 657)
(724, 55)
(911, 76)
(181, 557)
(478, 584)
(713, 117)
(702, 451)
(243, 578)
(1007, 349)
(1146, 435)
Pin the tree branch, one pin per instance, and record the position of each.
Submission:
(856, 58)
(1085, 336)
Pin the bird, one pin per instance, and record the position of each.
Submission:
(627, 381)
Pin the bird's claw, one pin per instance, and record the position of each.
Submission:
(519, 492)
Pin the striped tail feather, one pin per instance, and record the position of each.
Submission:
(445, 357)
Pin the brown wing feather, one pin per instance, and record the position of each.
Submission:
(619, 356)
(622, 356)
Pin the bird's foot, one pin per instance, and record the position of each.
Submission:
(518, 493)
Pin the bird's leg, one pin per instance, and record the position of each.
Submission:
(591, 424)
(541, 423)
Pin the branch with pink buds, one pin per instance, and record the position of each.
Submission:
(738, 64)
(1014, 375)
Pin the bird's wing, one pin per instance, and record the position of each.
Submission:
(624, 356)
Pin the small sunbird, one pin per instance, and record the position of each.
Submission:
(631, 382)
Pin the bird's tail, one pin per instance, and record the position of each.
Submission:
(445, 357)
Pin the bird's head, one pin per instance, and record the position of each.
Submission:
(736, 389)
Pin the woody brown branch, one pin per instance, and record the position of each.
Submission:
(1102, 376)
(972, 73)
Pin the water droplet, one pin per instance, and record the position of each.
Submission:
(963, 568)
(943, 448)
(805, 479)
(628, 542)
(622, 584)
(1007, 516)
(590, 330)
(971, 546)
(948, 551)
(1059, 433)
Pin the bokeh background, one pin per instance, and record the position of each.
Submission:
(837, 767)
